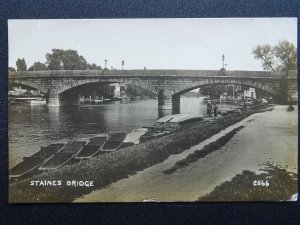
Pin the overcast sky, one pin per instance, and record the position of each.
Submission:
(153, 43)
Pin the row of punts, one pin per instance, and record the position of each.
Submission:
(55, 156)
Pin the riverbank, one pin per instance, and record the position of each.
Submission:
(106, 169)
(274, 183)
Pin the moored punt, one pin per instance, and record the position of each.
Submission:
(169, 124)
(135, 135)
(92, 148)
(26, 167)
(49, 150)
(125, 145)
(64, 156)
(177, 121)
(30, 164)
(117, 137)
(113, 143)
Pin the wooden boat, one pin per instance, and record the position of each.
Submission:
(99, 100)
(106, 100)
(64, 156)
(125, 145)
(169, 124)
(49, 150)
(30, 164)
(39, 101)
(135, 135)
(113, 143)
(92, 148)
(25, 168)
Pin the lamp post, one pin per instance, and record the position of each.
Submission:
(105, 61)
(223, 60)
(123, 62)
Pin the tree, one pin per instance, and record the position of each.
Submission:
(11, 69)
(65, 60)
(286, 53)
(37, 66)
(54, 60)
(21, 65)
(281, 57)
(93, 67)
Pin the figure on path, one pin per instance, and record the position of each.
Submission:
(209, 108)
(215, 108)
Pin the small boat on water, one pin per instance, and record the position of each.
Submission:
(113, 143)
(30, 164)
(38, 101)
(99, 100)
(106, 100)
(169, 124)
(135, 135)
(63, 156)
(92, 148)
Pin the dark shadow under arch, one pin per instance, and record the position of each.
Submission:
(269, 93)
(99, 83)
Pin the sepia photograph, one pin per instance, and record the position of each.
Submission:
(152, 110)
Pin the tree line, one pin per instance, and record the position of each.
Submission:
(58, 59)
(280, 57)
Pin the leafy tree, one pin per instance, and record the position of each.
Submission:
(54, 61)
(281, 57)
(11, 69)
(93, 67)
(65, 60)
(286, 53)
(21, 64)
(37, 66)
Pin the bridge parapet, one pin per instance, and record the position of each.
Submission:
(145, 73)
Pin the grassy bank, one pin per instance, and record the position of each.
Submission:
(201, 153)
(105, 169)
(281, 186)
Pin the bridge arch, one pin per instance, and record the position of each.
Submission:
(68, 85)
(270, 88)
(30, 85)
(57, 93)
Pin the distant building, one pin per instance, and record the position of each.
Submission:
(17, 91)
(250, 93)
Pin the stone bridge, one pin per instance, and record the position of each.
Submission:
(167, 84)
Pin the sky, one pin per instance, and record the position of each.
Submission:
(151, 43)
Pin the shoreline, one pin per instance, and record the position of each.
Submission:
(106, 169)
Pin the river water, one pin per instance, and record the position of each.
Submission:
(31, 127)
(270, 136)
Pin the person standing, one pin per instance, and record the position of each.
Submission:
(209, 108)
(215, 108)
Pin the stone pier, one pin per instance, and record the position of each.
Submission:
(165, 99)
(52, 97)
